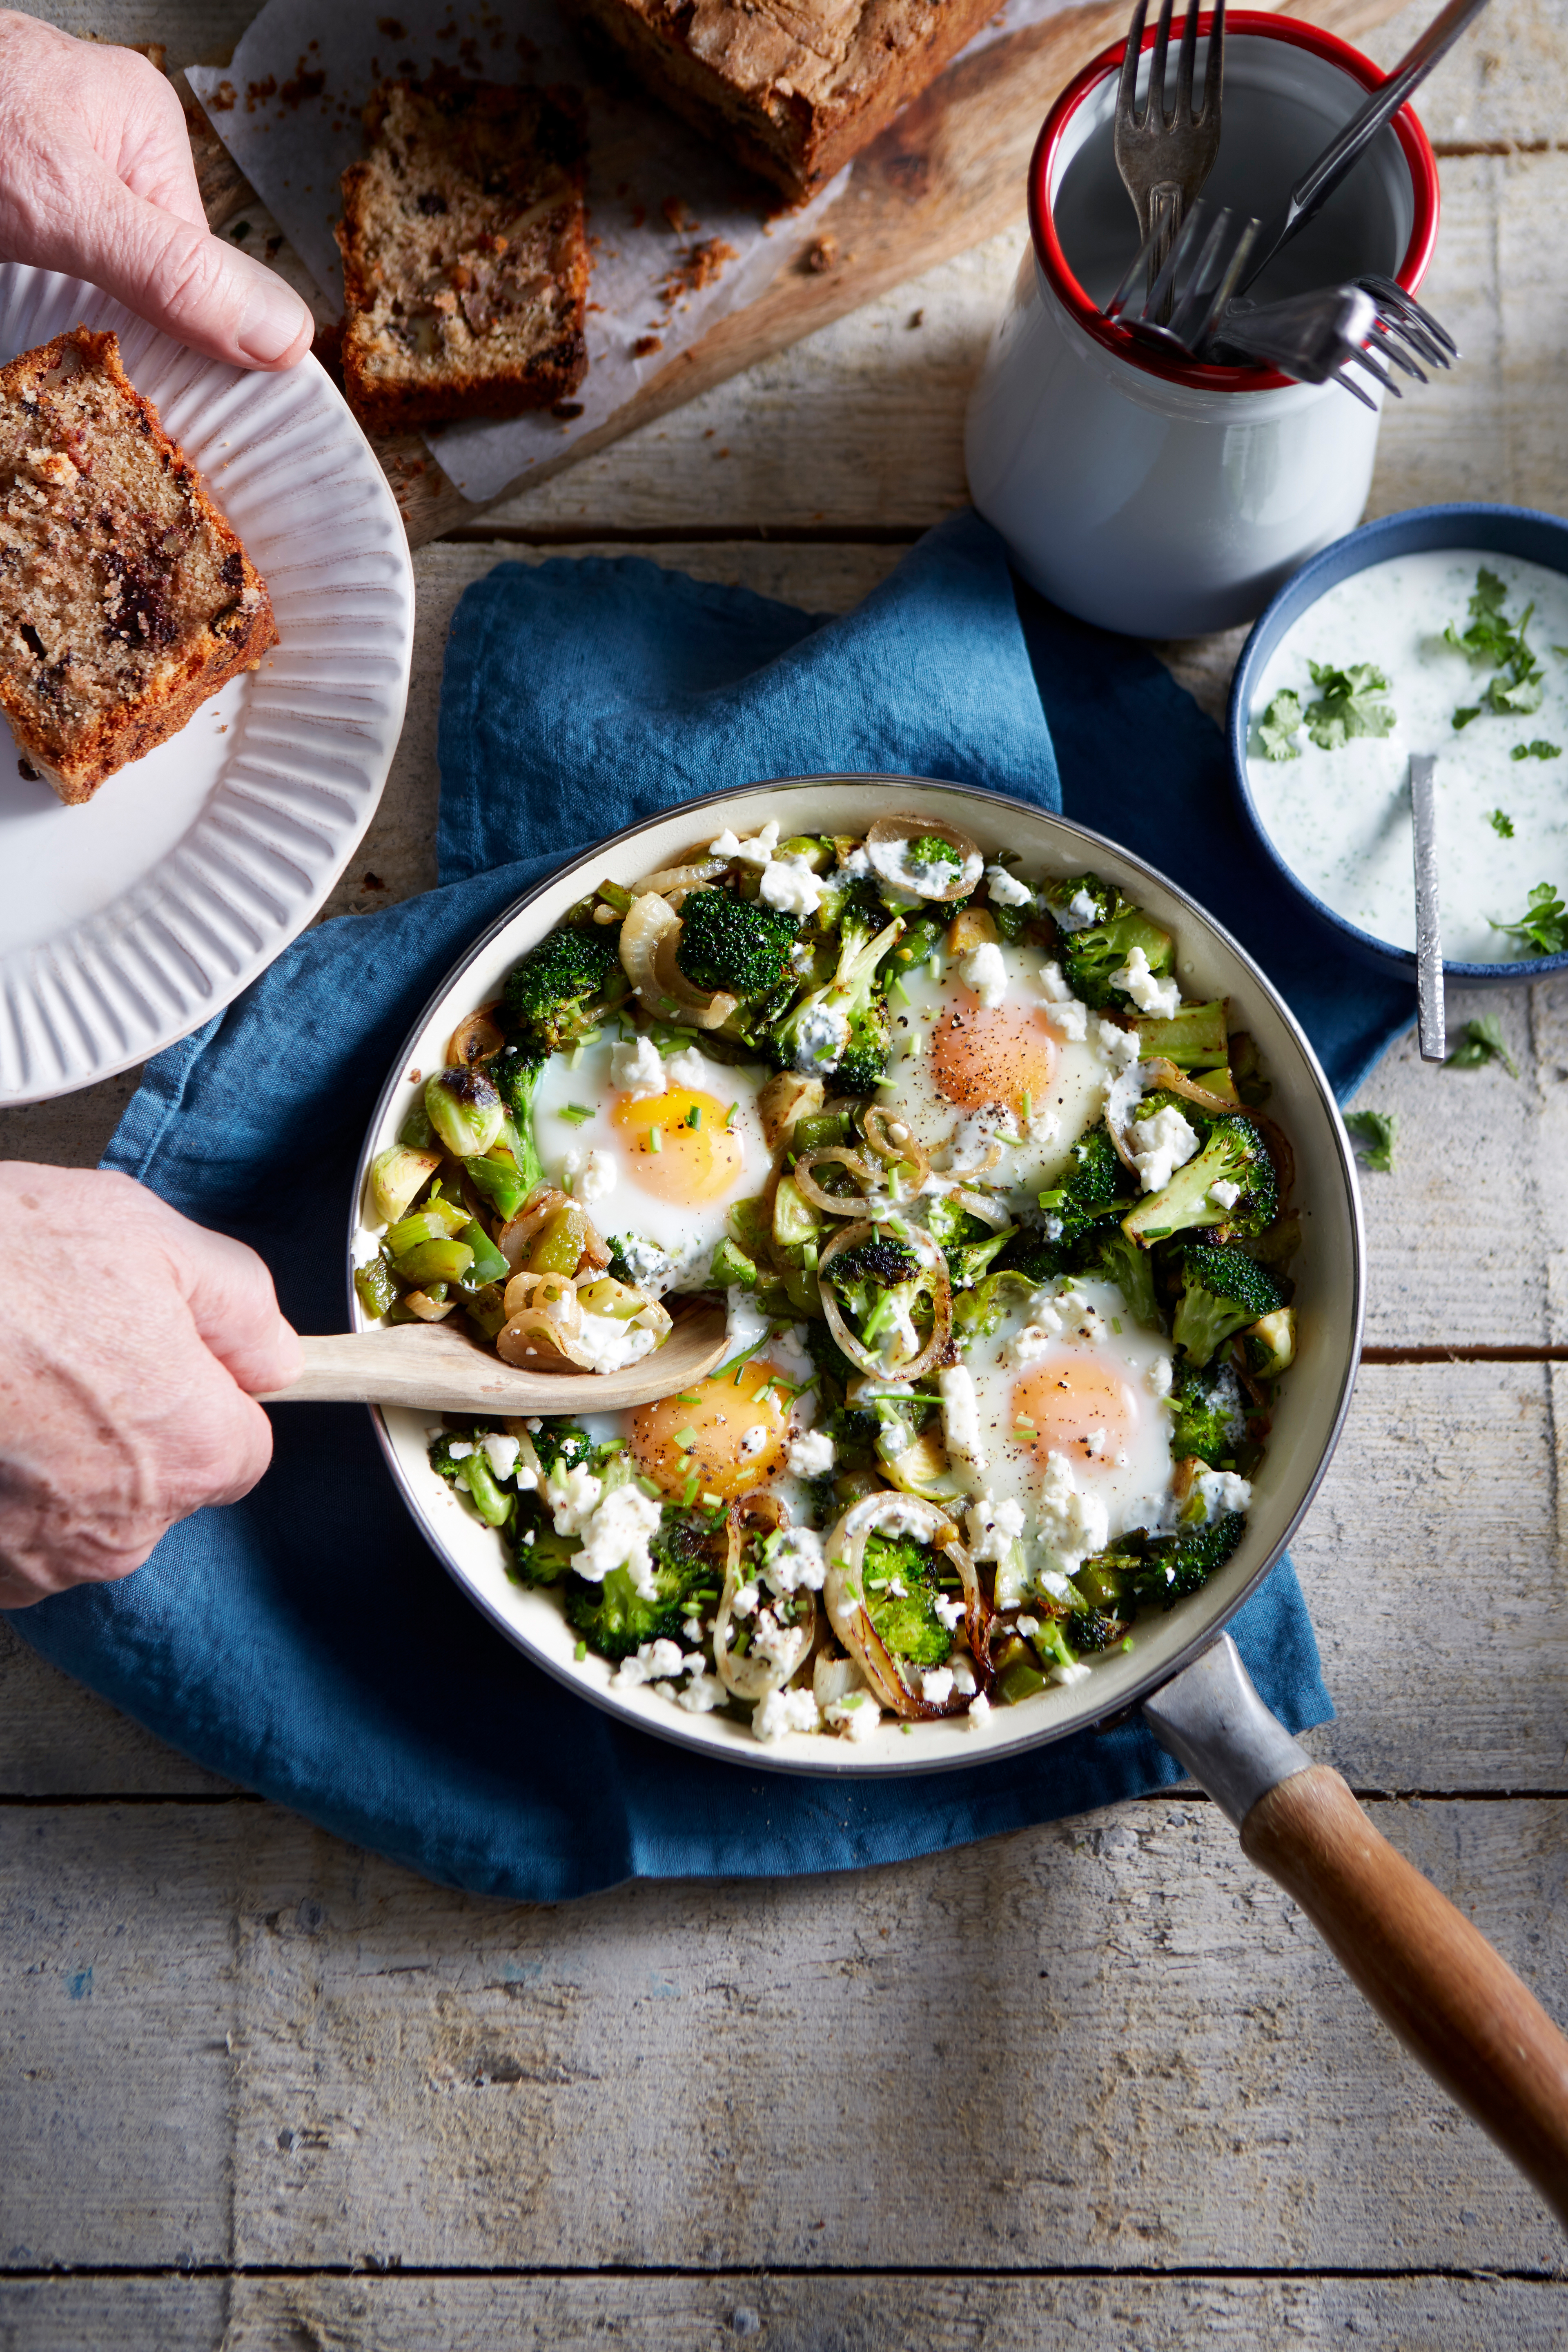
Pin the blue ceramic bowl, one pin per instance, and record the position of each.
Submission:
(1499, 531)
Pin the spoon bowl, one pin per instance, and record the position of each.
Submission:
(433, 1369)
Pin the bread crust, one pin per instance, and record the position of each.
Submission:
(76, 756)
(412, 354)
(777, 83)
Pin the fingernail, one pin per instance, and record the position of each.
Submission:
(273, 318)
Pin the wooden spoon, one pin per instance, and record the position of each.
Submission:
(436, 1370)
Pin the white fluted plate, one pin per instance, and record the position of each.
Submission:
(128, 922)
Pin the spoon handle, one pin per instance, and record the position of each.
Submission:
(1319, 181)
(1433, 1031)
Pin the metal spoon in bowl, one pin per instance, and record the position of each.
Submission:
(433, 1369)
(1431, 1029)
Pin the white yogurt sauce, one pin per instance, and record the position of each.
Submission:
(1341, 819)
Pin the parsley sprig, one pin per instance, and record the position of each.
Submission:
(1349, 704)
(1481, 1041)
(1542, 929)
(1494, 641)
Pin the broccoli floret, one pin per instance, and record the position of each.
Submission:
(1093, 1186)
(1093, 1630)
(734, 944)
(1222, 1290)
(853, 997)
(905, 1617)
(833, 1368)
(558, 991)
(1208, 1418)
(1175, 1566)
(1110, 1256)
(932, 852)
(878, 1258)
(1093, 949)
(614, 1619)
(561, 1447)
(515, 1074)
(1235, 1155)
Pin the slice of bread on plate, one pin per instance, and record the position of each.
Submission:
(465, 258)
(125, 599)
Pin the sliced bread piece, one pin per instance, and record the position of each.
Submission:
(125, 599)
(465, 261)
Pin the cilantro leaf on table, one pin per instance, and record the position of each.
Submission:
(1494, 641)
(1501, 824)
(1349, 705)
(1277, 727)
(1374, 1132)
(1544, 925)
(1481, 1041)
(1539, 749)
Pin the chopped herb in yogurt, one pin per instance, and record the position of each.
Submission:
(1539, 749)
(1349, 704)
(1494, 641)
(1542, 929)
(1501, 826)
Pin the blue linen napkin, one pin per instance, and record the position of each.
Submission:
(305, 1642)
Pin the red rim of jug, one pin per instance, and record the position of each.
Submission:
(1413, 139)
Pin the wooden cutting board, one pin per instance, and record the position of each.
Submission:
(947, 174)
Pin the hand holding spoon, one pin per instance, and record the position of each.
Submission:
(434, 1368)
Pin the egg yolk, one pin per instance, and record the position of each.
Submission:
(996, 1054)
(1066, 1399)
(679, 1146)
(731, 1431)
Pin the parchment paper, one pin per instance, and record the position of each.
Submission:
(659, 196)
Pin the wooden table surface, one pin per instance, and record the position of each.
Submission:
(1095, 2084)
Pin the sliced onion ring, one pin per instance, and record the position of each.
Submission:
(1163, 1076)
(689, 876)
(932, 1354)
(884, 847)
(536, 1338)
(703, 1009)
(837, 1155)
(990, 1210)
(911, 1152)
(474, 1040)
(749, 1677)
(844, 1594)
(517, 1234)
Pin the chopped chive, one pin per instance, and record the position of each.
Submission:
(575, 1112)
(714, 1502)
(649, 1489)
(692, 1399)
(1116, 1325)
(896, 988)
(694, 1116)
(730, 1114)
(1127, 1645)
(581, 1651)
(1028, 1100)
(655, 1140)
(687, 1440)
(690, 1496)
(1052, 1200)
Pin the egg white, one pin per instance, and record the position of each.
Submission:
(687, 1230)
(1034, 1153)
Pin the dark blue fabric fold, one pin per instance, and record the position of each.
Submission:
(305, 1642)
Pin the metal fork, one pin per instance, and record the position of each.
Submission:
(1190, 290)
(1164, 159)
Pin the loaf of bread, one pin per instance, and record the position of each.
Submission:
(792, 88)
(125, 599)
(465, 260)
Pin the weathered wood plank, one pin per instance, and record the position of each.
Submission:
(872, 2314)
(1120, 2048)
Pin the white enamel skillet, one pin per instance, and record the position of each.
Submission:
(1438, 1983)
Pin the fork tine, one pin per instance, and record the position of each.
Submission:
(1398, 298)
(1186, 64)
(1384, 341)
(1356, 357)
(1242, 233)
(1127, 92)
(1406, 332)
(1156, 97)
(1135, 272)
(1194, 302)
(1186, 237)
(1346, 384)
(1214, 71)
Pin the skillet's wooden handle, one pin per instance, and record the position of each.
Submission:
(1428, 1973)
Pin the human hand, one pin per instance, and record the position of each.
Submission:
(131, 1344)
(95, 180)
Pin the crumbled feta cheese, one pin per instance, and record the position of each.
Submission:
(787, 1710)
(1159, 1145)
(459, 1450)
(755, 851)
(593, 1173)
(950, 1609)
(637, 1068)
(754, 1441)
(1120, 1047)
(1004, 889)
(502, 1453)
(811, 1455)
(611, 1342)
(644, 1262)
(779, 1645)
(961, 1419)
(1053, 987)
(616, 1536)
(656, 1662)
(993, 1526)
(857, 863)
(1094, 1440)
(983, 970)
(794, 1557)
(702, 1694)
(857, 1717)
(1078, 914)
(1150, 996)
(789, 883)
(979, 1708)
(936, 1685)
(1224, 1194)
(573, 1496)
(1222, 1491)
(1160, 1376)
(691, 1628)
(821, 1037)
(744, 1605)
(963, 1681)
(1071, 1523)
(686, 1069)
(1075, 1673)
